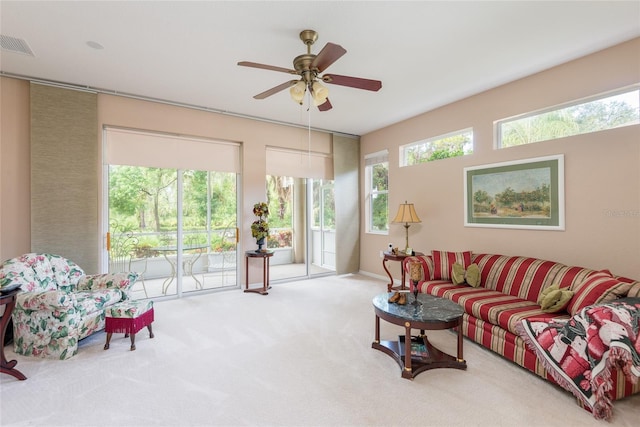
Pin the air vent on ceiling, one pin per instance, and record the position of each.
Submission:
(16, 45)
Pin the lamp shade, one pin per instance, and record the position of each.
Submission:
(319, 93)
(297, 91)
(407, 214)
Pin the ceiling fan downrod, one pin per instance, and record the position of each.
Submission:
(308, 37)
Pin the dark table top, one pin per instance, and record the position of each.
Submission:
(431, 309)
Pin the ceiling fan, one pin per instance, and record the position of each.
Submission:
(309, 67)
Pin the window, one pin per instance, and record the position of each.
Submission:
(454, 144)
(377, 188)
(599, 113)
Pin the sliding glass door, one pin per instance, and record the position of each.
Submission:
(323, 227)
(302, 227)
(176, 227)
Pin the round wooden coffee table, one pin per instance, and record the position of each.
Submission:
(416, 354)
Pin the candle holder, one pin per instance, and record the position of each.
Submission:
(415, 293)
(415, 270)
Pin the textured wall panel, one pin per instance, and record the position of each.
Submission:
(346, 161)
(64, 174)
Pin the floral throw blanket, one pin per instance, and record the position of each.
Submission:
(580, 352)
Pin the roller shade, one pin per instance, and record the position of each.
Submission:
(139, 148)
(377, 157)
(299, 163)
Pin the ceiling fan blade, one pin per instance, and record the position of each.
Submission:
(329, 54)
(326, 106)
(356, 82)
(266, 67)
(276, 89)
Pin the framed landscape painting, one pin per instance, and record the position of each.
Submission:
(525, 193)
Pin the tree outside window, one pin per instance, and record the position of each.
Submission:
(379, 197)
(593, 116)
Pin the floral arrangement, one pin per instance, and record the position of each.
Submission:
(260, 227)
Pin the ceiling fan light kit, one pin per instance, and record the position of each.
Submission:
(319, 93)
(309, 67)
(297, 91)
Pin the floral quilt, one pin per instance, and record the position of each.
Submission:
(580, 352)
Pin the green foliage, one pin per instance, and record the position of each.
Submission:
(481, 196)
(279, 199)
(380, 176)
(148, 196)
(512, 203)
(260, 227)
(584, 118)
(144, 201)
(437, 149)
(380, 197)
(380, 212)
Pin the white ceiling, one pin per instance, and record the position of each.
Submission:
(427, 54)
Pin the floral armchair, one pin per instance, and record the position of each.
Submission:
(59, 304)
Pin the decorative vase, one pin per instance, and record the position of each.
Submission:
(260, 242)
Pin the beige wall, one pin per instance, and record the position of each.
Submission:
(15, 179)
(602, 173)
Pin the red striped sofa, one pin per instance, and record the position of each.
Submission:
(508, 293)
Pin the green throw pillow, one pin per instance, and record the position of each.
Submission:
(470, 276)
(553, 299)
(473, 275)
(457, 274)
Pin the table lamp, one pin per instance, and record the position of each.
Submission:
(407, 214)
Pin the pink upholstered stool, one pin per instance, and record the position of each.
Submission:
(128, 317)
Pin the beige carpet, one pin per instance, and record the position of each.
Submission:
(300, 356)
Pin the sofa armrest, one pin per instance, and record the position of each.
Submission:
(634, 292)
(45, 301)
(122, 281)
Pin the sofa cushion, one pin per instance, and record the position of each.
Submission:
(554, 299)
(31, 271)
(491, 306)
(570, 276)
(597, 288)
(443, 263)
(89, 302)
(123, 281)
(521, 277)
(66, 272)
(36, 272)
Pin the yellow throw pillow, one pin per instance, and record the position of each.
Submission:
(470, 276)
(553, 299)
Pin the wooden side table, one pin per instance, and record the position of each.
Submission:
(9, 301)
(388, 256)
(266, 255)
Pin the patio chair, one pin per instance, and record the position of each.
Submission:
(121, 249)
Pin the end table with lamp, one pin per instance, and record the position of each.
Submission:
(407, 215)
